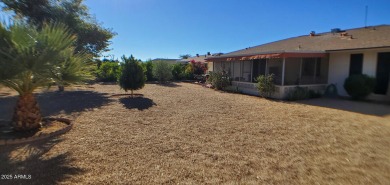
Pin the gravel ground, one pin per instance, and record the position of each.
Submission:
(188, 134)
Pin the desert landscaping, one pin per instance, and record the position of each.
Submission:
(187, 134)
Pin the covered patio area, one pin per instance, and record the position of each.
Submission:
(290, 69)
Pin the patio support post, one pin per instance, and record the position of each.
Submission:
(213, 66)
(251, 71)
(232, 66)
(283, 70)
(239, 78)
(300, 71)
(315, 70)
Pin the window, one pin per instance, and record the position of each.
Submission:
(356, 64)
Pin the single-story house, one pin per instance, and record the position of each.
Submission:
(200, 58)
(197, 58)
(313, 61)
(167, 60)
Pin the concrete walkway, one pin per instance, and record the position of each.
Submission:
(369, 108)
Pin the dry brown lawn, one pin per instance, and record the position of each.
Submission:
(187, 134)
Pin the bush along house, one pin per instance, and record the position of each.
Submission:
(313, 61)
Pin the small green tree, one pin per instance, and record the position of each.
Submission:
(132, 76)
(359, 86)
(185, 56)
(162, 71)
(265, 85)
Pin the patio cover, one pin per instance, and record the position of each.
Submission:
(267, 55)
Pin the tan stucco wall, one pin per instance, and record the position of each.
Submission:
(338, 70)
(210, 66)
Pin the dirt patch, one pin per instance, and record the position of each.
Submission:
(195, 135)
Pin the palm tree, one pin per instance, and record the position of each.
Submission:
(29, 58)
(74, 68)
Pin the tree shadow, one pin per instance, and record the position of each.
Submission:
(139, 103)
(368, 108)
(4, 94)
(7, 105)
(33, 159)
(169, 84)
(53, 103)
(106, 83)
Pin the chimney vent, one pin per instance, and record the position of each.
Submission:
(208, 53)
(312, 33)
(197, 55)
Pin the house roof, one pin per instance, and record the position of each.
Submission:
(358, 38)
(200, 58)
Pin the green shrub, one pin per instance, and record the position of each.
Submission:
(331, 91)
(266, 85)
(218, 80)
(148, 70)
(108, 72)
(178, 71)
(298, 93)
(189, 71)
(188, 75)
(359, 86)
(132, 75)
(301, 93)
(162, 71)
(232, 89)
(314, 94)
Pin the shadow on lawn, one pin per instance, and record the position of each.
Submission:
(32, 159)
(169, 84)
(369, 108)
(4, 94)
(52, 103)
(68, 102)
(139, 103)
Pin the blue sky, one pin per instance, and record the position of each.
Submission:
(169, 28)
